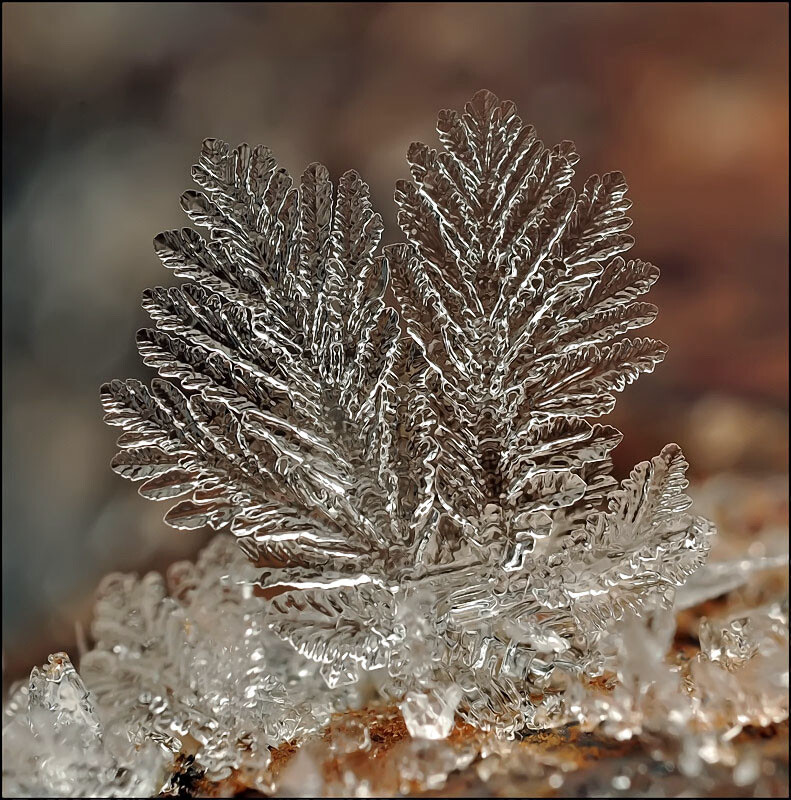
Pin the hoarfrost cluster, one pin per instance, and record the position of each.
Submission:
(423, 509)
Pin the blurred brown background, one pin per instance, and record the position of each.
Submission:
(105, 106)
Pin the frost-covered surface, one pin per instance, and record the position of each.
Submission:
(422, 497)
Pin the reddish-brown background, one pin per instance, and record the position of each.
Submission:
(105, 106)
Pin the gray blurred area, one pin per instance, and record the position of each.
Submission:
(105, 106)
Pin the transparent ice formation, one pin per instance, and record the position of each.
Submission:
(448, 470)
(191, 673)
(192, 669)
(55, 745)
(423, 508)
(431, 716)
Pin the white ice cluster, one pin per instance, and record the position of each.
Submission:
(187, 668)
(182, 666)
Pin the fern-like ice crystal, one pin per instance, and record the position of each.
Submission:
(424, 490)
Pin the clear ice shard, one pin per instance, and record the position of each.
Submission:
(431, 715)
(54, 744)
(741, 674)
(734, 641)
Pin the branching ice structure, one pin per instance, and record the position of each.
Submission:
(420, 495)
(179, 667)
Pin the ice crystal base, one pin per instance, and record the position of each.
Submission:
(186, 690)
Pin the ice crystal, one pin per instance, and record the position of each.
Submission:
(421, 497)
(431, 716)
(164, 669)
(54, 743)
(177, 664)
(452, 475)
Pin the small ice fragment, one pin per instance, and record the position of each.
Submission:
(621, 782)
(431, 715)
(717, 578)
(58, 691)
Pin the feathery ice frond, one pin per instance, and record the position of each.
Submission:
(516, 296)
(440, 506)
(277, 358)
(504, 290)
